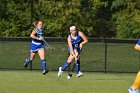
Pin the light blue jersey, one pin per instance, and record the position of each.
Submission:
(37, 44)
(137, 46)
(138, 43)
(75, 42)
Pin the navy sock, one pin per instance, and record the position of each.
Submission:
(77, 66)
(43, 63)
(27, 60)
(66, 64)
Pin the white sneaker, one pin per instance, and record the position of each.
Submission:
(130, 90)
(79, 74)
(60, 72)
(133, 90)
(68, 77)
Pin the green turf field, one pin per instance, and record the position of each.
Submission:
(34, 82)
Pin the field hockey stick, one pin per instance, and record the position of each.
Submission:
(70, 73)
(76, 59)
(44, 41)
(47, 45)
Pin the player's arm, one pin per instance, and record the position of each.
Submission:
(85, 40)
(33, 35)
(70, 45)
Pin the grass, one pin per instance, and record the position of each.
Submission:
(120, 57)
(25, 81)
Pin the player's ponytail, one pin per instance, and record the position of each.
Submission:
(35, 23)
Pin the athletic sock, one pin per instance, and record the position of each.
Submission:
(136, 83)
(43, 63)
(77, 66)
(66, 64)
(27, 60)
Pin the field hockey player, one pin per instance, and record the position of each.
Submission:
(75, 40)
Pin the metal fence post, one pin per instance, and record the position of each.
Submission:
(105, 68)
(31, 12)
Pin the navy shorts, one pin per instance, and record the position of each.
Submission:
(78, 50)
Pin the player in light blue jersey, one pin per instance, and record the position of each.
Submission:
(37, 45)
(75, 40)
(135, 87)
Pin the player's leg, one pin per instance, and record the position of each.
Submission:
(65, 65)
(33, 50)
(136, 85)
(29, 60)
(78, 70)
(41, 53)
(77, 63)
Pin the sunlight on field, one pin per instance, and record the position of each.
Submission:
(35, 82)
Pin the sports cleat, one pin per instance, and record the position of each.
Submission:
(133, 90)
(26, 63)
(130, 90)
(79, 74)
(60, 72)
(45, 71)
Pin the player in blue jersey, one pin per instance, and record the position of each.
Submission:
(37, 45)
(75, 40)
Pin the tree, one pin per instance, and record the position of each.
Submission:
(59, 15)
(126, 18)
(97, 18)
(15, 18)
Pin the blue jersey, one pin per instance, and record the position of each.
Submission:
(137, 46)
(75, 42)
(37, 44)
(138, 42)
(39, 34)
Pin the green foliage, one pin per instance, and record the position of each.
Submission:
(96, 18)
(119, 3)
(127, 21)
(16, 18)
(58, 16)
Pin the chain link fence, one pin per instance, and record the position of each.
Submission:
(102, 55)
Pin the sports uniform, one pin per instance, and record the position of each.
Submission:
(75, 42)
(37, 44)
(76, 46)
(34, 47)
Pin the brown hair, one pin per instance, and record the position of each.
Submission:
(35, 23)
